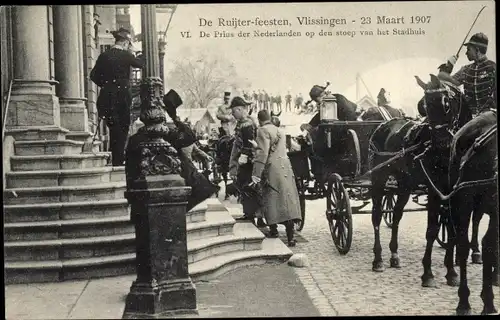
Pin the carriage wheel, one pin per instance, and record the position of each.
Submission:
(302, 200)
(339, 215)
(355, 151)
(388, 203)
(442, 237)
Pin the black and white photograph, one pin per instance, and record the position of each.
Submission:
(224, 160)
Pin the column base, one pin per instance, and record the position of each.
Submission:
(74, 115)
(171, 298)
(37, 133)
(33, 110)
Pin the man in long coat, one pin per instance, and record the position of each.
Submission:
(273, 170)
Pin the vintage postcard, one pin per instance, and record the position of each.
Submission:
(250, 160)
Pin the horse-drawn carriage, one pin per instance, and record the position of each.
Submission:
(335, 165)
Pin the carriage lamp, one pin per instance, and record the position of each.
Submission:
(328, 108)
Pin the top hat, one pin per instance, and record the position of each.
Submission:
(478, 39)
(172, 100)
(316, 91)
(239, 102)
(122, 34)
(227, 94)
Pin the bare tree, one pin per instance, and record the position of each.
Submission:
(202, 78)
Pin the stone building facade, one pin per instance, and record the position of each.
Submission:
(56, 43)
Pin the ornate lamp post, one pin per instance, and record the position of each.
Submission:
(158, 198)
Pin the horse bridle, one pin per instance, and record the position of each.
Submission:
(446, 127)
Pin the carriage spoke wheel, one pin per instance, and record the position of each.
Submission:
(442, 237)
(339, 216)
(388, 203)
(302, 201)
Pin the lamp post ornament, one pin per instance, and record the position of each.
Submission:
(158, 198)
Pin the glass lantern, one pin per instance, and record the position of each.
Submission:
(328, 108)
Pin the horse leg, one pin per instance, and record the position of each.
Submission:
(430, 235)
(403, 197)
(377, 195)
(490, 256)
(477, 215)
(462, 205)
(451, 275)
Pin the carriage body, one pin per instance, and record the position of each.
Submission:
(339, 147)
(342, 147)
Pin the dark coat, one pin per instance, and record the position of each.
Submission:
(112, 73)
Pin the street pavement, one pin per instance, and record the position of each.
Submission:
(346, 286)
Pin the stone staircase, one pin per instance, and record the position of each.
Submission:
(65, 217)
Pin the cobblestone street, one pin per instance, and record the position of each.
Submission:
(346, 286)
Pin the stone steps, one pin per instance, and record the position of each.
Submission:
(59, 162)
(65, 211)
(59, 249)
(67, 229)
(242, 239)
(79, 135)
(39, 147)
(272, 251)
(217, 223)
(216, 244)
(104, 191)
(71, 177)
(57, 270)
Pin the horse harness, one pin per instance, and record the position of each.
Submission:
(459, 185)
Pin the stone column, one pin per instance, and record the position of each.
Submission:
(33, 103)
(161, 45)
(158, 198)
(67, 47)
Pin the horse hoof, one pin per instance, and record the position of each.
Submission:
(394, 263)
(429, 282)
(378, 266)
(463, 311)
(453, 281)
(476, 258)
(489, 310)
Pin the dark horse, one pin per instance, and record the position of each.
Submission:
(444, 107)
(474, 159)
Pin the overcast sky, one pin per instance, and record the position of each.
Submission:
(280, 64)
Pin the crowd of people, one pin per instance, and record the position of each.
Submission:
(262, 100)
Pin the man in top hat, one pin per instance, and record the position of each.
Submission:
(183, 139)
(240, 163)
(112, 73)
(478, 78)
(227, 120)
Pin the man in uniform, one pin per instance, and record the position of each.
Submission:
(478, 78)
(288, 102)
(112, 73)
(227, 120)
(240, 163)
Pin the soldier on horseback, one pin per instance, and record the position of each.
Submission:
(478, 78)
